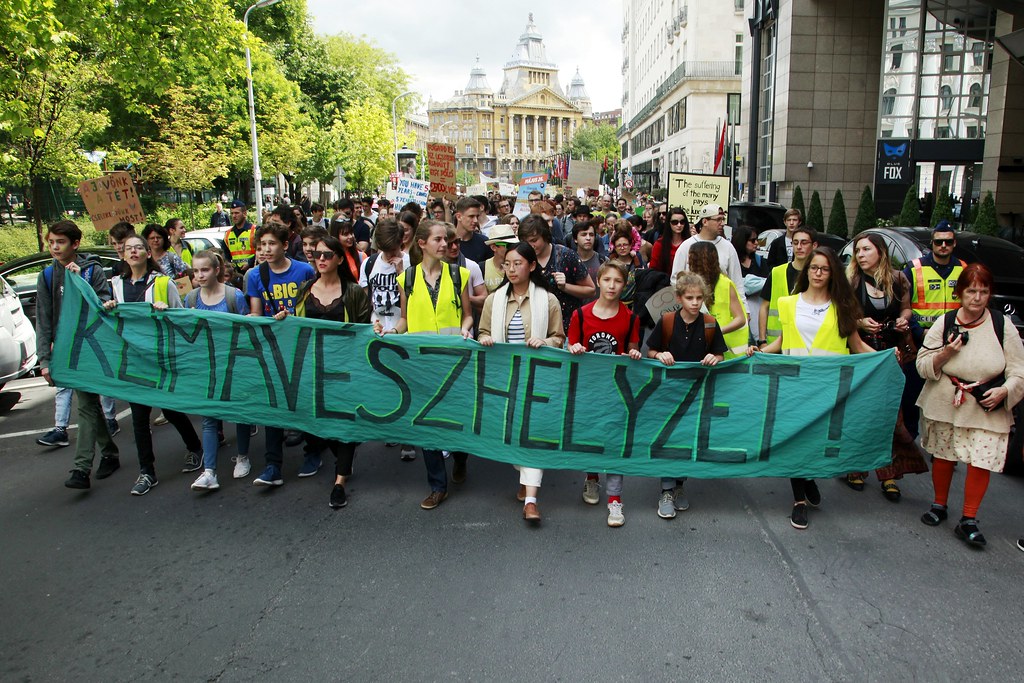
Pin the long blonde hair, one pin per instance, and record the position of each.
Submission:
(884, 276)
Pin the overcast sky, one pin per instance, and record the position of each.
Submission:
(437, 42)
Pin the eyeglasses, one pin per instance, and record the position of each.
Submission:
(533, 200)
(753, 240)
(944, 242)
(677, 222)
(325, 255)
(819, 269)
(134, 247)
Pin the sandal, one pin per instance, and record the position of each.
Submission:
(854, 481)
(967, 530)
(890, 490)
(935, 516)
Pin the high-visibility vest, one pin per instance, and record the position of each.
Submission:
(157, 288)
(736, 341)
(932, 295)
(241, 246)
(780, 288)
(827, 342)
(421, 316)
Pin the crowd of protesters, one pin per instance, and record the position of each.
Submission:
(572, 274)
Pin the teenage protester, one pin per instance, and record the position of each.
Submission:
(606, 326)
(585, 236)
(317, 218)
(622, 252)
(545, 208)
(562, 266)
(711, 219)
(467, 229)
(884, 297)
(435, 300)
(665, 246)
(140, 280)
(583, 217)
(477, 289)
(292, 218)
(273, 289)
(685, 336)
(168, 262)
(781, 250)
(364, 224)
(214, 295)
(353, 256)
(344, 209)
(973, 364)
(932, 294)
(63, 239)
(311, 236)
(437, 210)
(780, 282)
(333, 294)
(408, 222)
(755, 272)
(175, 228)
(240, 238)
(724, 301)
(818, 319)
(523, 311)
(502, 237)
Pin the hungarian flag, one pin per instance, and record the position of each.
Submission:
(720, 152)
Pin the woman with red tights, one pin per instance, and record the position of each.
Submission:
(973, 380)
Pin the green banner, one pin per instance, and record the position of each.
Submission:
(769, 416)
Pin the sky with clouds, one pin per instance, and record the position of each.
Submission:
(438, 42)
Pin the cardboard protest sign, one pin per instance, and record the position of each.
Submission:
(766, 416)
(584, 173)
(693, 191)
(506, 189)
(528, 184)
(663, 301)
(409, 189)
(441, 161)
(111, 199)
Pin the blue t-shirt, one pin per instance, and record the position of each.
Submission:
(241, 304)
(284, 287)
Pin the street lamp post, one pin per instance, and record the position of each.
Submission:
(394, 125)
(257, 176)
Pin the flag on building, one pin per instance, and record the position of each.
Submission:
(720, 152)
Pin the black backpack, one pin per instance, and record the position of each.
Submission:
(453, 270)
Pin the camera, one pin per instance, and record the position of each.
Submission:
(954, 332)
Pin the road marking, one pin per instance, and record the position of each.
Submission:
(33, 432)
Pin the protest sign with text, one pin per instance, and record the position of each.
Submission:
(584, 174)
(409, 189)
(693, 191)
(111, 199)
(441, 161)
(528, 184)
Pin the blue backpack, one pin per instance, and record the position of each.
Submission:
(48, 275)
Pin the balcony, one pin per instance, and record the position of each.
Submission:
(687, 71)
(681, 17)
(670, 34)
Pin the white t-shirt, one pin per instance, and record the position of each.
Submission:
(382, 286)
(476, 276)
(727, 257)
(809, 318)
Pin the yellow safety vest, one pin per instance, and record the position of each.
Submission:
(241, 246)
(780, 288)
(931, 295)
(421, 316)
(736, 341)
(827, 341)
(158, 289)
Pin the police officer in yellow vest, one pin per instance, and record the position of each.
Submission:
(240, 238)
(780, 283)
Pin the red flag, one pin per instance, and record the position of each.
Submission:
(720, 153)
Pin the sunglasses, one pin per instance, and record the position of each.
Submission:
(944, 242)
(326, 255)
(677, 222)
(501, 244)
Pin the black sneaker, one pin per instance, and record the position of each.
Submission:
(799, 517)
(338, 497)
(812, 494)
(143, 484)
(193, 462)
(78, 480)
(56, 437)
(293, 438)
(108, 465)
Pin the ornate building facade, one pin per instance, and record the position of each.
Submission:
(516, 130)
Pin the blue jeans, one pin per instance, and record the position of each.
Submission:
(62, 407)
(211, 441)
(437, 473)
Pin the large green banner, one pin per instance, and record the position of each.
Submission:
(766, 416)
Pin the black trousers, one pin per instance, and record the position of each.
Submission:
(144, 435)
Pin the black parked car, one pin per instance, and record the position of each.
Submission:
(759, 215)
(1005, 260)
(23, 273)
(766, 237)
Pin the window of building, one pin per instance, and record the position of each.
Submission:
(733, 107)
(738, 4)
(942, 132)
(888, 102)
(469, 149)
(897, 55)
(766, 126)
(738, 66)
(978, 53)
(950, 58)
(974, 101)
(946, 97)
(487, 150)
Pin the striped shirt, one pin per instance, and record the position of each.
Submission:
(516, 329)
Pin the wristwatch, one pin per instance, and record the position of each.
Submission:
(762, 342)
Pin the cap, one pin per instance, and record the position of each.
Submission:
(710, 211)
(238, 204)
(503, 233)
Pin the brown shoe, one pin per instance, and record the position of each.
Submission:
(521, 494)
(458, 471)
(433, 500)
(531, 513)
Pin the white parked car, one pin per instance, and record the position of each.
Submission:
(17, 337)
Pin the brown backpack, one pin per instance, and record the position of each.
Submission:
(668, 322)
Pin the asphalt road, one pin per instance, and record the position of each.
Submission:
(253, 584)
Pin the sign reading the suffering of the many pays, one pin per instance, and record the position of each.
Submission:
(111, 199)
(693, 191)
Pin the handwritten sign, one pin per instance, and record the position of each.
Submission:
(111, 199)
(584, 173)
(693, 191)
(528, 184)
(409, 189)
(441, 160)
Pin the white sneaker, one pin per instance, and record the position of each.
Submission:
(615, 516)
(207, 481)
(242, 466)
(591, 496)
(680, 501)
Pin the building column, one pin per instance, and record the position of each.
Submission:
(559, 129)
(511, 133)
(536, 135)
(522, 134)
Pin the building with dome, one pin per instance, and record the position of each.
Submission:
(517, 129)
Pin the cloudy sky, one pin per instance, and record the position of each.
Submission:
(438, 42)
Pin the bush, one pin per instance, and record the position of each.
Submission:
(910, 214)
(837, 223)
(815, 214)
(798, 201)
(986, 223)
(866, 215)
(943, 210)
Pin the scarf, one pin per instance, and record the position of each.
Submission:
(538, 313)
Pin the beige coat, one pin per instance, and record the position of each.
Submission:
(554, 336)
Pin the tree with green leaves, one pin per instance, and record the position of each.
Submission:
(366, 144)
(322, 159)
(815, 214)
(866, 216)
(910, 214)
(837, 222)
(986, 222)
(798, 202)
(943, 208)
(595, 143)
